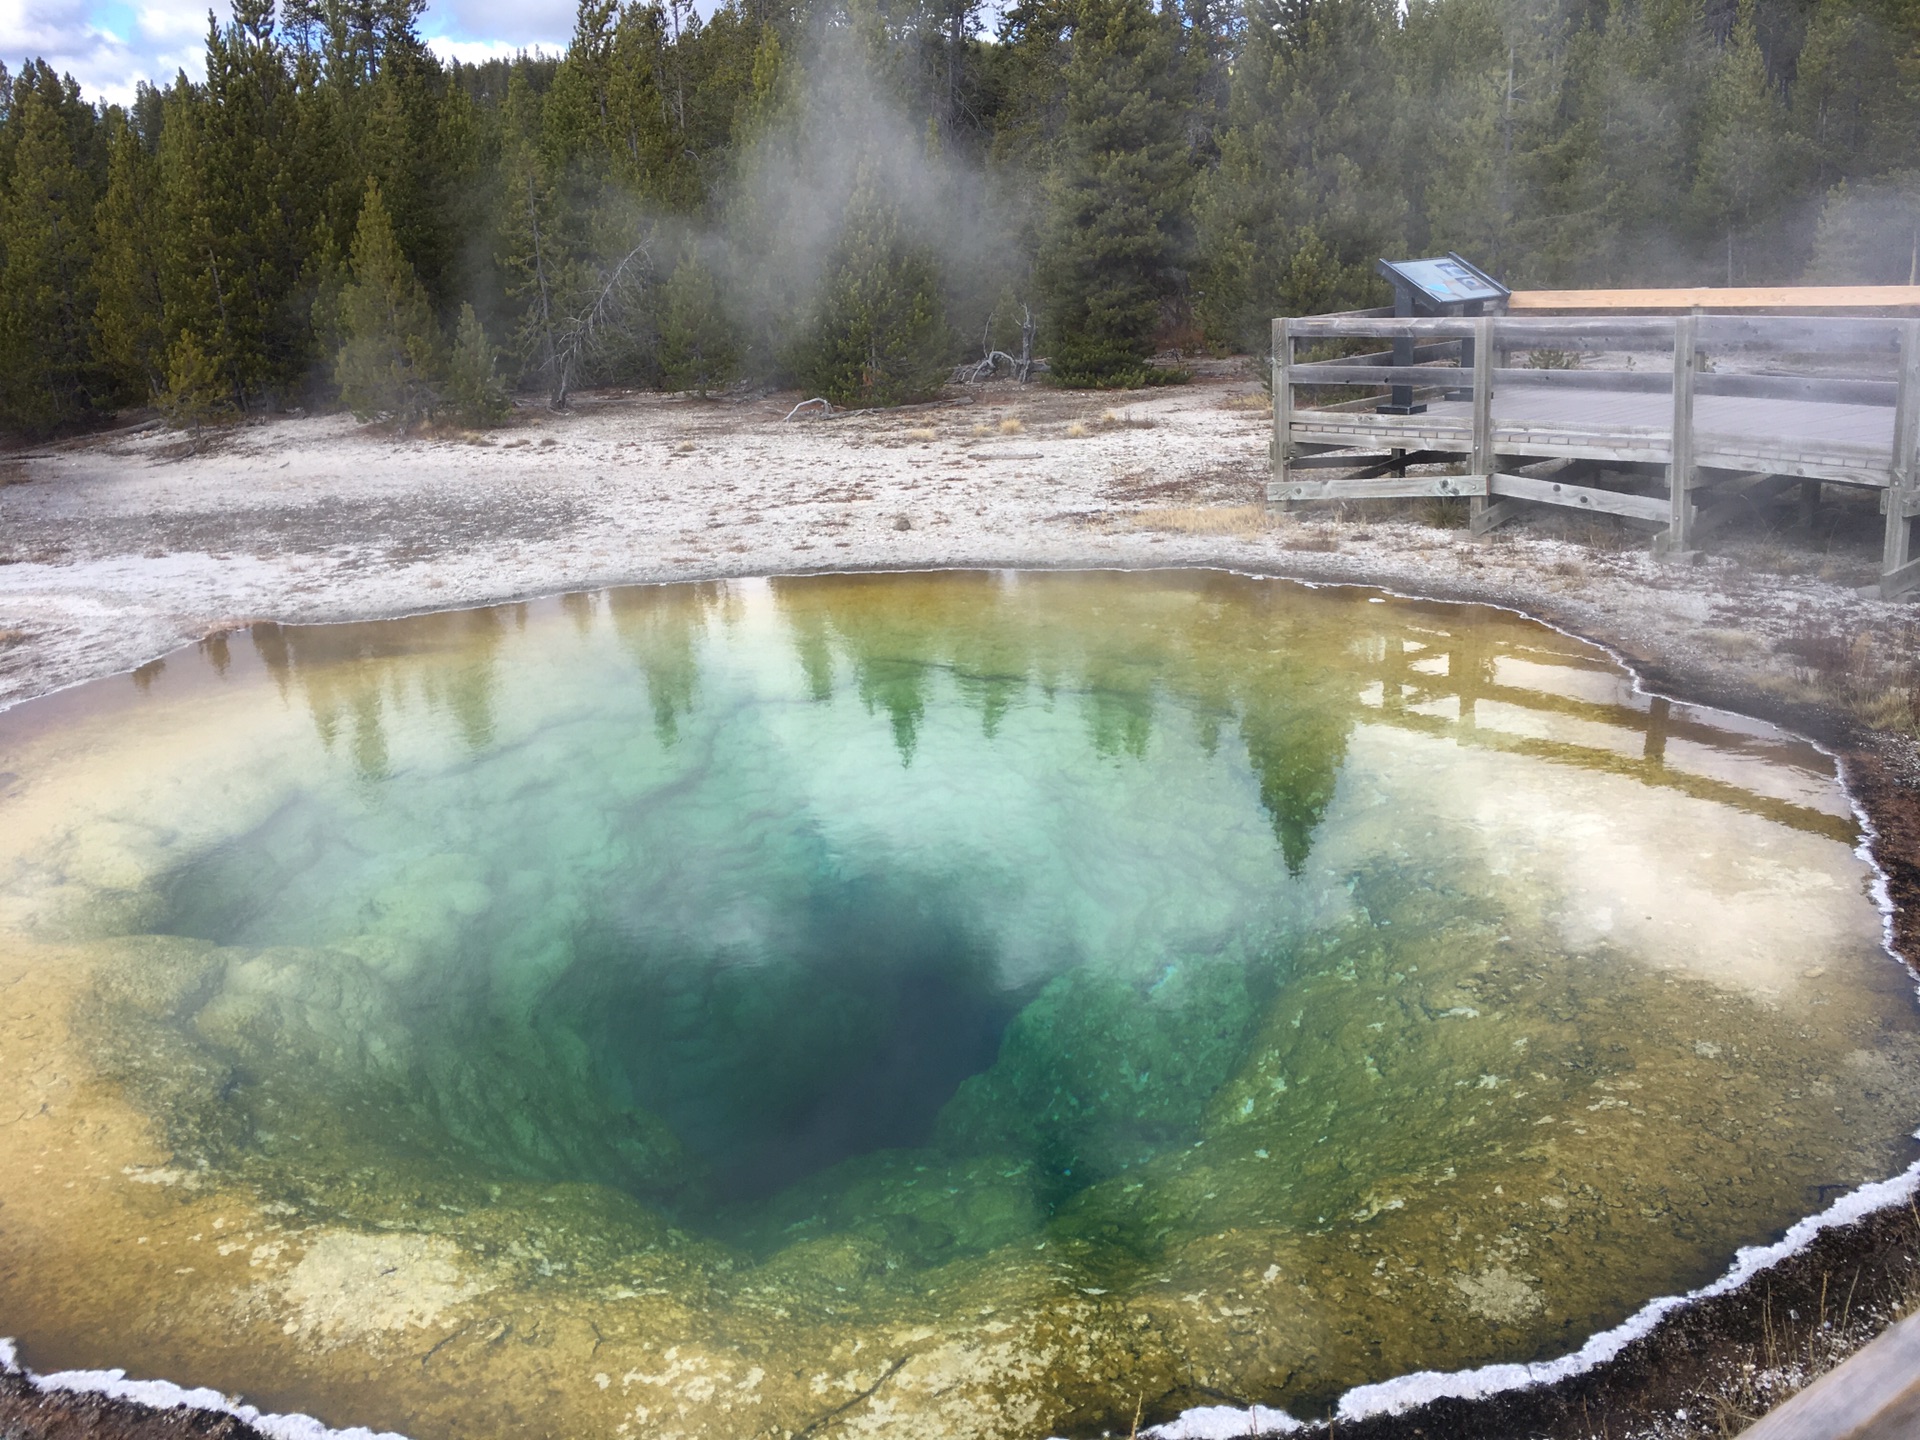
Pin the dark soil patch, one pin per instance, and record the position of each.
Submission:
(29, 1414)
(1715, 1367)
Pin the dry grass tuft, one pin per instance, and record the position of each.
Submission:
(1244, 522)
(1011, 426)
(684, 446)
(1077, 431)
(1113, 419)
(923, 434)
(1254, 400)
(980, 432)
(1239, 522)
(1568, 569)
(1873, 676)
(1445, 512)
(1732, 644)
(11, 638)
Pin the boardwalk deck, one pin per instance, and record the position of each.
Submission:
(1834, 400)
(1852, 444)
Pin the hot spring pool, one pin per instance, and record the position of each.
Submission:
(934, 1005)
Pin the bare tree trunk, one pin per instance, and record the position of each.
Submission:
(550, 360)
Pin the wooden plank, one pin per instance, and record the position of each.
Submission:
(1537, 332)
(1708, 455)
(1872, 1395)
(1438, 350)
(1622, 449)
(1895, 583)
(1342, 374)
(1646, 382)
(1805, 334)
(1764, 297)
(1490, 515)
(1347, 460)
(1686, 360)
(1812, 388)
(1580, 497)
(1902, 481)
(1282, 397)
(1327, 327)
(1394, 487)
(1481, 461)
(1402, 432)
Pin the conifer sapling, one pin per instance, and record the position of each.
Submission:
(389, 365)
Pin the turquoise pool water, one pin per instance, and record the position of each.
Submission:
(953, 1004)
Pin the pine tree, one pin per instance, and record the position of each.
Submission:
(610, 111)
(763, 96)
(257, 207)
(699, 346)
(1118, 197)
(473, 389)
(410, 144)
(196, 283)
(389, 365)
(129, 316)
(1854, 103)
(1747, 157)
(539, 247)
(1306, 195)
(876, 332)
(1869, 234)
(48, 375)
(194, 392)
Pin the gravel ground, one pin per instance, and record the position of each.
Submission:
(118, 547)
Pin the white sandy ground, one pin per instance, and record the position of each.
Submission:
(119, 547)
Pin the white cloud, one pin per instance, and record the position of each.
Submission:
(473, 52)
(107, 47)
(110, 45)
(547, 23)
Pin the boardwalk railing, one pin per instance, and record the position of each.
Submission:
(1653, 430)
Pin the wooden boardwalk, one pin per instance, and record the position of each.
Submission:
(1811, 439)
(1821, 399)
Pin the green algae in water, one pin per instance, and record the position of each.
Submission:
(971, 1000)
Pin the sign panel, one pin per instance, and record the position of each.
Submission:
(1444, 282)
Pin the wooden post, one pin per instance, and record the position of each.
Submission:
(1481, 464)
(1282, 402)
(1809, 516)
(1898, 571)
(1678, 536)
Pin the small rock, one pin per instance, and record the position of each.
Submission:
(901, 522)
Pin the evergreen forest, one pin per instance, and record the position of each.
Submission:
(851, 197)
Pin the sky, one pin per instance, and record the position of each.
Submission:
(111, 45)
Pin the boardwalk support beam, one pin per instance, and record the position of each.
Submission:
(1677, 538)
(1898, 571)
(1481, 462)
(1282, 401)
